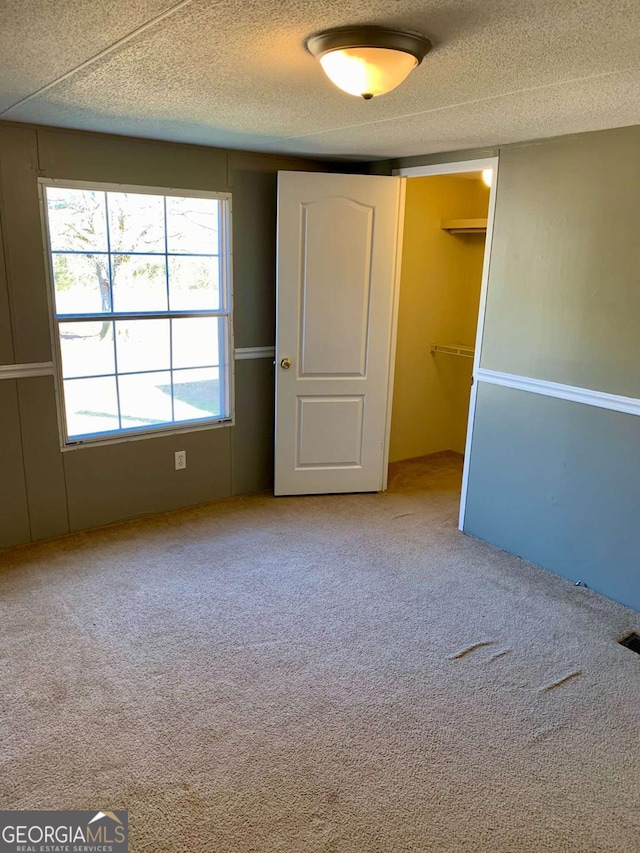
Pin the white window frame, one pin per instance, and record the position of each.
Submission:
(227, 362)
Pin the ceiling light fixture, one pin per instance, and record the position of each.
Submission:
(487, 176)
(368, 61)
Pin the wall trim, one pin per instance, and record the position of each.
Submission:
(24, 371)
(573, 393)
(45, 368)
(254, 352)
(454, 168)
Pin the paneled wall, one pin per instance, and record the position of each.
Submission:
(44, 492)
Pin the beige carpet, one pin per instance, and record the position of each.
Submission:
(344, 673)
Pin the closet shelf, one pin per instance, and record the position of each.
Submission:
(453, 349)
(464, 226)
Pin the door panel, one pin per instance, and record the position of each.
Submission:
(344, 307)
(337, 247)
(330, 431)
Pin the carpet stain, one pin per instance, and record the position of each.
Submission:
(470, 649)
(560, 681)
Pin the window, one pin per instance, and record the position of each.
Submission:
(141, 304)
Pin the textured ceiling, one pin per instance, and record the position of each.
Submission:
(235, 73)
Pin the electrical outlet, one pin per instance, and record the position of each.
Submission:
(181, 460)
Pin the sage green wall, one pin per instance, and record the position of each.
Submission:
(564, 292)
(44, 492)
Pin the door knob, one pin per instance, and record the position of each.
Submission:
(285, 364)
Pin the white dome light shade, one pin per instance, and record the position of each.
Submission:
(368, 61)
(367, 71)
(487, 176)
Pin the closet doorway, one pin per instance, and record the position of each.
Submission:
(443, 279)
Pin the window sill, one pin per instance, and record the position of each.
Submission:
(101, 441)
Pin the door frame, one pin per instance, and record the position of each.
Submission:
(454, 168)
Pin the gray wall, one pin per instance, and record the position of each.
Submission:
(556, 482)
(553, 481)
(44, 492)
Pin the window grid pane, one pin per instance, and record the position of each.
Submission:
(119, 260)
(194, 392)
(154, 384)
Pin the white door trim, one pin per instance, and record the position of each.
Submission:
(573, 393)
(455, 168)
(394, 336)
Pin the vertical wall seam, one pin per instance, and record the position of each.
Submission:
(5, 259)
(24, 462)
(38, 151)
(228, 171)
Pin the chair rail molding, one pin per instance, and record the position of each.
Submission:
(254, 352)
(25, 371)
(601, 399)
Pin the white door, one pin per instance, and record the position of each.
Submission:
(338, 242)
